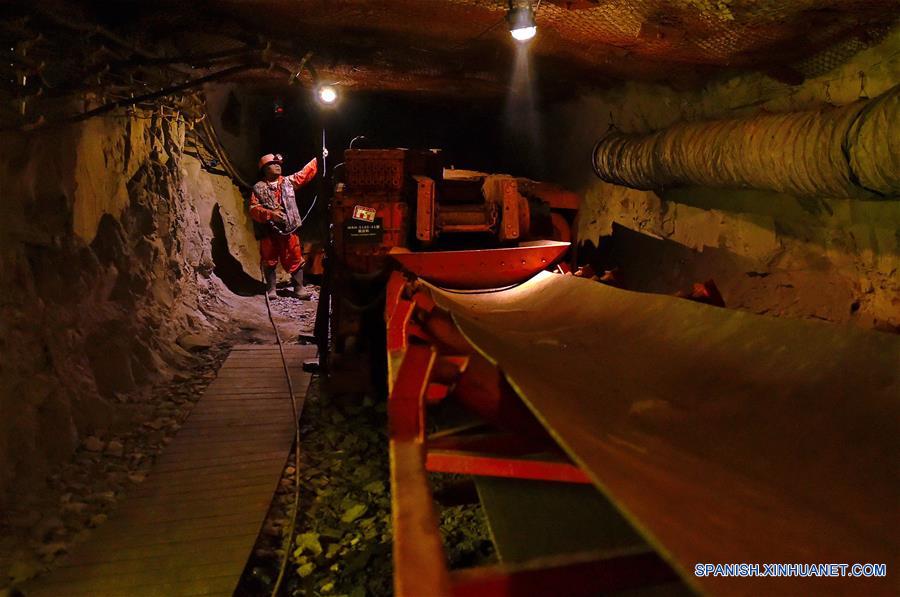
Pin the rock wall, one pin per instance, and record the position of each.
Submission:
(234, 113)
(106, 255)
(769, 253)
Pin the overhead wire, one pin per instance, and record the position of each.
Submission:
(861, 73)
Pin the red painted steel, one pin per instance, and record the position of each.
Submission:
(467, 463)
(419, 560)
(447, 369)
(423, 373)
(481, 389)
(435, 393)
(510, 230)
(406, 402)
(396, 337)
(363, 254)
(573, 576)
(393, 294)
(425, 209)
(497, 444)
(375, 169)
(483, 268)
(420, 565)
(389, 169)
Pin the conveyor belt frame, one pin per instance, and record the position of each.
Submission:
(415, 361)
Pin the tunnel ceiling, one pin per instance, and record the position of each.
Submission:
(443, 47)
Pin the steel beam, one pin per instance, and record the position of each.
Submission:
(571, 575)
(467, 463)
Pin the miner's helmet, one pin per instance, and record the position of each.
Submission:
(270, 158)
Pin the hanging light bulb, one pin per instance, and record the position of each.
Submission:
(521, 21)
(326, 94)
(523, 33)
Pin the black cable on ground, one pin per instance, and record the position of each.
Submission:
(293, 525)
(295, 508)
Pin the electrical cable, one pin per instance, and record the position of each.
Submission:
(295, 507)
(309, 211)
(324, 156)
(207, 133)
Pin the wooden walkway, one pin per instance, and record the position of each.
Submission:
(189, 529)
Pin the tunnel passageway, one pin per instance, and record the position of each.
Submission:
(740, 154)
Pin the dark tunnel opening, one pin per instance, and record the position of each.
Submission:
(226, 267)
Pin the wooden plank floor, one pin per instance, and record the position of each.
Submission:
(189, 529)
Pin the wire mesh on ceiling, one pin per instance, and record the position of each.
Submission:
(743, 33)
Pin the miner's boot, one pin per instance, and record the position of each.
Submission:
(298, 285)
(270, 283)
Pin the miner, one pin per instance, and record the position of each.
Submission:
(273, 206)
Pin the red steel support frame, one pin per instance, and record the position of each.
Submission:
(571, 575)
(418, 376)
(467, 463)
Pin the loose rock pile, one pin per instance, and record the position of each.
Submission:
(342, 542)
(41, 528)
(302, 313)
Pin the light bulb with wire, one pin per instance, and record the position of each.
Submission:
(523, 33)
(327, 94)
(521, 22)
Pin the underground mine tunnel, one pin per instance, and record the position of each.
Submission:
(470, 297)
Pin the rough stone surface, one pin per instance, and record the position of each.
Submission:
(93, 444)
(106, 234)
(194, 342)
(82, 491)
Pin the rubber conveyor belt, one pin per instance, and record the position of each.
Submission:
(723, 436)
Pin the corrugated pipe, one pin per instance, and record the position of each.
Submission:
(851, 151)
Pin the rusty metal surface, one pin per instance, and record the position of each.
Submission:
(577, 575)
(533, 519)
(721, 435)
(419, 560)
(462, 462)
(484, 268)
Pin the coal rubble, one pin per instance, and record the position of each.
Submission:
(342, 541)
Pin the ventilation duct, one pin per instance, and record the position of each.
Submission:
(850, 151)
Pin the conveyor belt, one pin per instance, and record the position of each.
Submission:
(723, 436)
